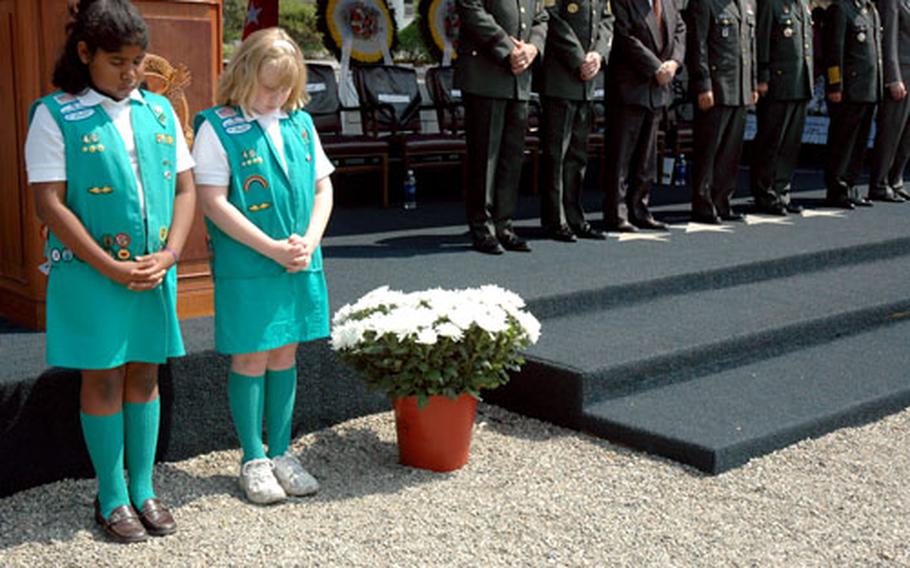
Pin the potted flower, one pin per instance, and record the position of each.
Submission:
(432, 352)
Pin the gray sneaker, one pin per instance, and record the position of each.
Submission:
(259, 484)
(293, 478)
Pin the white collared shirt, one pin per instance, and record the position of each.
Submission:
(45, 149)
(213, 168)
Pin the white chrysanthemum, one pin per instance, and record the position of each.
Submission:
(492, 320)
(530, 324)
(347, 336)
(450, 330)
(505, 298)
(426, 336)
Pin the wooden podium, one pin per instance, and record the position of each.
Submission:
(187, 42)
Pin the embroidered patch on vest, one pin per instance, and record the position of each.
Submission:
(123, 240)
(123, 254)
(226, 112)
(162, 234)
(248, 183)
(250, 158)
(79, 115)
(259, 207)
(164, 139)
(239, 129)
(100, 190)
(229, 122)
(64, 98)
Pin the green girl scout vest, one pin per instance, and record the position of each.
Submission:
(93, 322)
(277, 203)
(101, 187)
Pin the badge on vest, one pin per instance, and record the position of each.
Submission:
(91, 143)
(158, 111)
(225, 112)
(259, 207)
(238, 129)
(164, 139)
(250, 158)
(100, 190)
(248, 183)
(79, 114)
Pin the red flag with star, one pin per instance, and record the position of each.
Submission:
(260, 14)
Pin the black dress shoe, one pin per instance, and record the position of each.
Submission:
(885, 196)
(622, 227)
(650, 223)
(861, 202)
(510, 241)
(793, 208)
(841, 201)
(732, 216)
(562, 234)
(774, 209)
(488, 245)
(589, 232)
(705, 219)
(901, 193)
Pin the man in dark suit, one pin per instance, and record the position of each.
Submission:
(499, 41)
(785, 84)
(579, 39)
(724, 78)
(892, 138)
(854, 77)
(649, 47)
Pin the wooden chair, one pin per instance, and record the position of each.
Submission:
(350, 153)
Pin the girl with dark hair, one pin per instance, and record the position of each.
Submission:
(112, 180)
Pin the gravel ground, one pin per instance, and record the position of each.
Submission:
(532, 495)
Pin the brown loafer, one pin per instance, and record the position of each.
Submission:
(156, 518)
(122, 525)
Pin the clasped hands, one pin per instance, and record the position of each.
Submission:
(294, 253)
(522, 56)
(665, 73)
(591, 66)
(144, 272)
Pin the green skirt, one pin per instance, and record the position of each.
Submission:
(96, 323)
(259, 314)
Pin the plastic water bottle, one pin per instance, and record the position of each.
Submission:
(681, 172)
(410, 190)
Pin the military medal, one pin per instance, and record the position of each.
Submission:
(572, 7)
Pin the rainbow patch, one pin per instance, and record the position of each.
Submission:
(254, 179)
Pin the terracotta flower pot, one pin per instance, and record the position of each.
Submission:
(438, 436)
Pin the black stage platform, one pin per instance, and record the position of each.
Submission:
(707, 345)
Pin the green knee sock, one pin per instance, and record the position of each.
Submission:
(245, 395)
(280, 390)
(104, 440)
(141, 442)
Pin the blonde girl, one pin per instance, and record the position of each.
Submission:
(264, 187)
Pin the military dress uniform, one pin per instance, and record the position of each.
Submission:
(575, 28)
(722, 60)
(496, 111)
(892, 139)
(854, 69)
(784, 56)
(642, 43)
